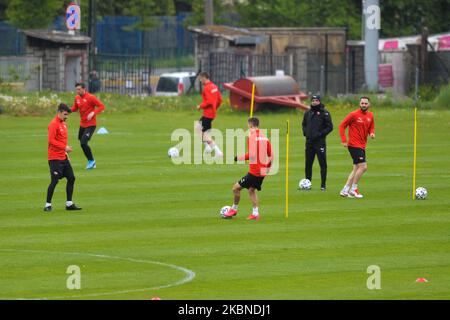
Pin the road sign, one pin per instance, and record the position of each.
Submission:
(73, 16)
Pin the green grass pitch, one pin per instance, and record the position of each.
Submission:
(148, 225)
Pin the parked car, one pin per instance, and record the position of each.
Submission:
(174, 84)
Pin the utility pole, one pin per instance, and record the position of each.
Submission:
(423, 54)
(363, 20)
(372, 22)
(209, 12)
(92, 21)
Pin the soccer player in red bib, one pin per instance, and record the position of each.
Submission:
(58, 160)
(361, 125)
(259, 155)
(212, 99)
(89, 106)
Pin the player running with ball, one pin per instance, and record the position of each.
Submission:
(361, 124)
(212, 99)
(260, 158)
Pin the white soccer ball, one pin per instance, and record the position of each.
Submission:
(421, 193)
(224, 210)
(173, 152)
(304, 184)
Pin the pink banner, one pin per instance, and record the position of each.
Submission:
(390, 45)
(386, 75)
(444, 43)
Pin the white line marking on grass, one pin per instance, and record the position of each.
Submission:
(189, 274)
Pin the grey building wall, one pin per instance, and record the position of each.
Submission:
(54, 58)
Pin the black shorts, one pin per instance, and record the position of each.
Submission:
(358, 155)
(86, 133)
(60, 169)
(251, 181)
(206, 123)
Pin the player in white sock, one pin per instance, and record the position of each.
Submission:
(259, 154)
(208, 149)
(219, 152)
(361, 125)
(212, 100)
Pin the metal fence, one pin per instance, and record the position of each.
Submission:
(123, 74)
(323, 72)
(12, 40)
(137, 74)
(438, 72)
(228, 67)
(116, 35)
(327, 73)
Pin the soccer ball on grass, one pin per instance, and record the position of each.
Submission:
(224, 210)
(421, 193)
(304, 184)
(173, 152)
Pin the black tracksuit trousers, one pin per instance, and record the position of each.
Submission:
(311, 150)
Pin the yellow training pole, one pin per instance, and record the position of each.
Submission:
(415, 154)
(253, 101)
(286, 214)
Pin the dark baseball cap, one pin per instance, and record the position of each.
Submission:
(316, 96)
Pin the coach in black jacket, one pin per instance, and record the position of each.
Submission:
(316, 126)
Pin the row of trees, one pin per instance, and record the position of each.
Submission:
(400, 17)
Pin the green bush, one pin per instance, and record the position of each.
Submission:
(443, 98)
(430, 98)
(44, 103)
(427, 92)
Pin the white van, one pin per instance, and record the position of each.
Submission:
(174, 84)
